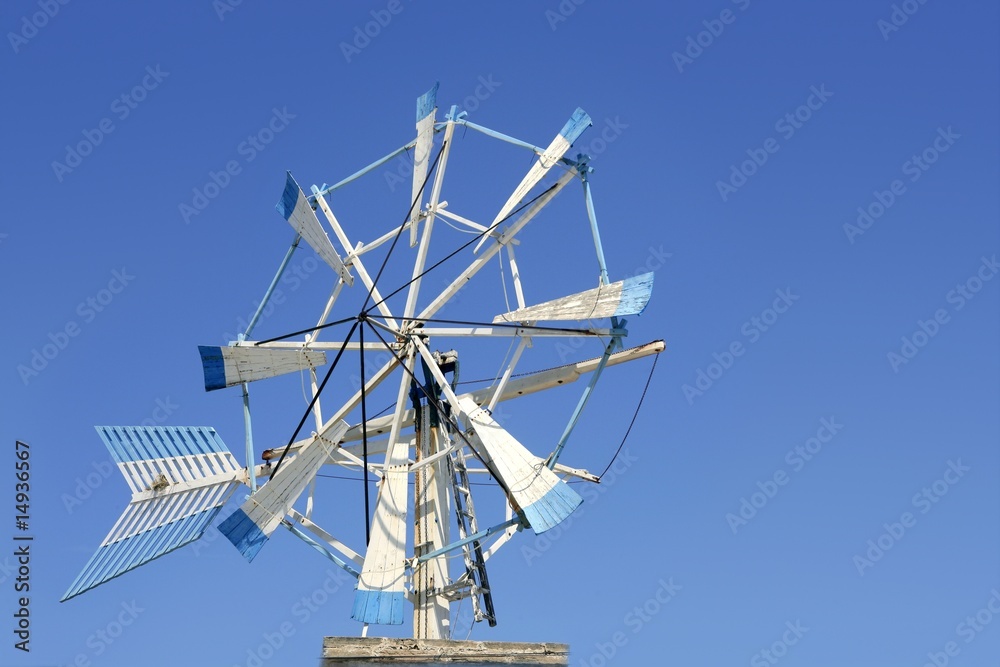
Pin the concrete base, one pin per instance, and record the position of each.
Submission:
(360, 651)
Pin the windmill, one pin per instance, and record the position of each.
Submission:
(181, 477)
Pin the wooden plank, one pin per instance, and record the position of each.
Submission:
(294, 207)
(625, 297)
(233, 365)
(544, 499)
(380, 592)
(249, 527)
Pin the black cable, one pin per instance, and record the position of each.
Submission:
(340, 352)
(305, 331)
(634, 416)
(400, 230)
(364, 430)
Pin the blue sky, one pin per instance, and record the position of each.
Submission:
(815, 185)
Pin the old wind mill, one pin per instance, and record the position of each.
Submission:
(438, 437)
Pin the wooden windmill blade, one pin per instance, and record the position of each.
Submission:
(426, 112)
(570, 132)
(545, 500)
(229, 366)
(295, 208)
(381, 587)
(625, 297)
(180, 478)
(250, 527)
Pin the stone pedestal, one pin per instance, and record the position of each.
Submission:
(363, 651)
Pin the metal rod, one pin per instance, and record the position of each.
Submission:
(270, 288)
(593, 227)
(358, 174)
(587, 392)
(320, 548)
(471, 538)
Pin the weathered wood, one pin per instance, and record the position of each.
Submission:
(249, 527)
(342, 651)
(625, 297)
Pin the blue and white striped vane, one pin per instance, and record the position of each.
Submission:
(180, 478)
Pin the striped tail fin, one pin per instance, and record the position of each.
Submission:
(544, 499)
(251, 526)
(180, 478)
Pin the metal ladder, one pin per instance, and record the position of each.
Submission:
(475, 565)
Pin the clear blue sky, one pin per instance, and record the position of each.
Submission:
(740, 140)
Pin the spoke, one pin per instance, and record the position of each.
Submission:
(315, 398)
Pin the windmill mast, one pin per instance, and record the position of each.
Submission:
(431, 531)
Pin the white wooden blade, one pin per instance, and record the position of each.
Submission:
(426, 112)
(180, 478)
(625, 297)
(544, 499)
(295, 208)
(249, 527)
(380, 593)
(229, 366)
(571, 131)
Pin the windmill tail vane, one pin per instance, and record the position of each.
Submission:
(435, 438)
